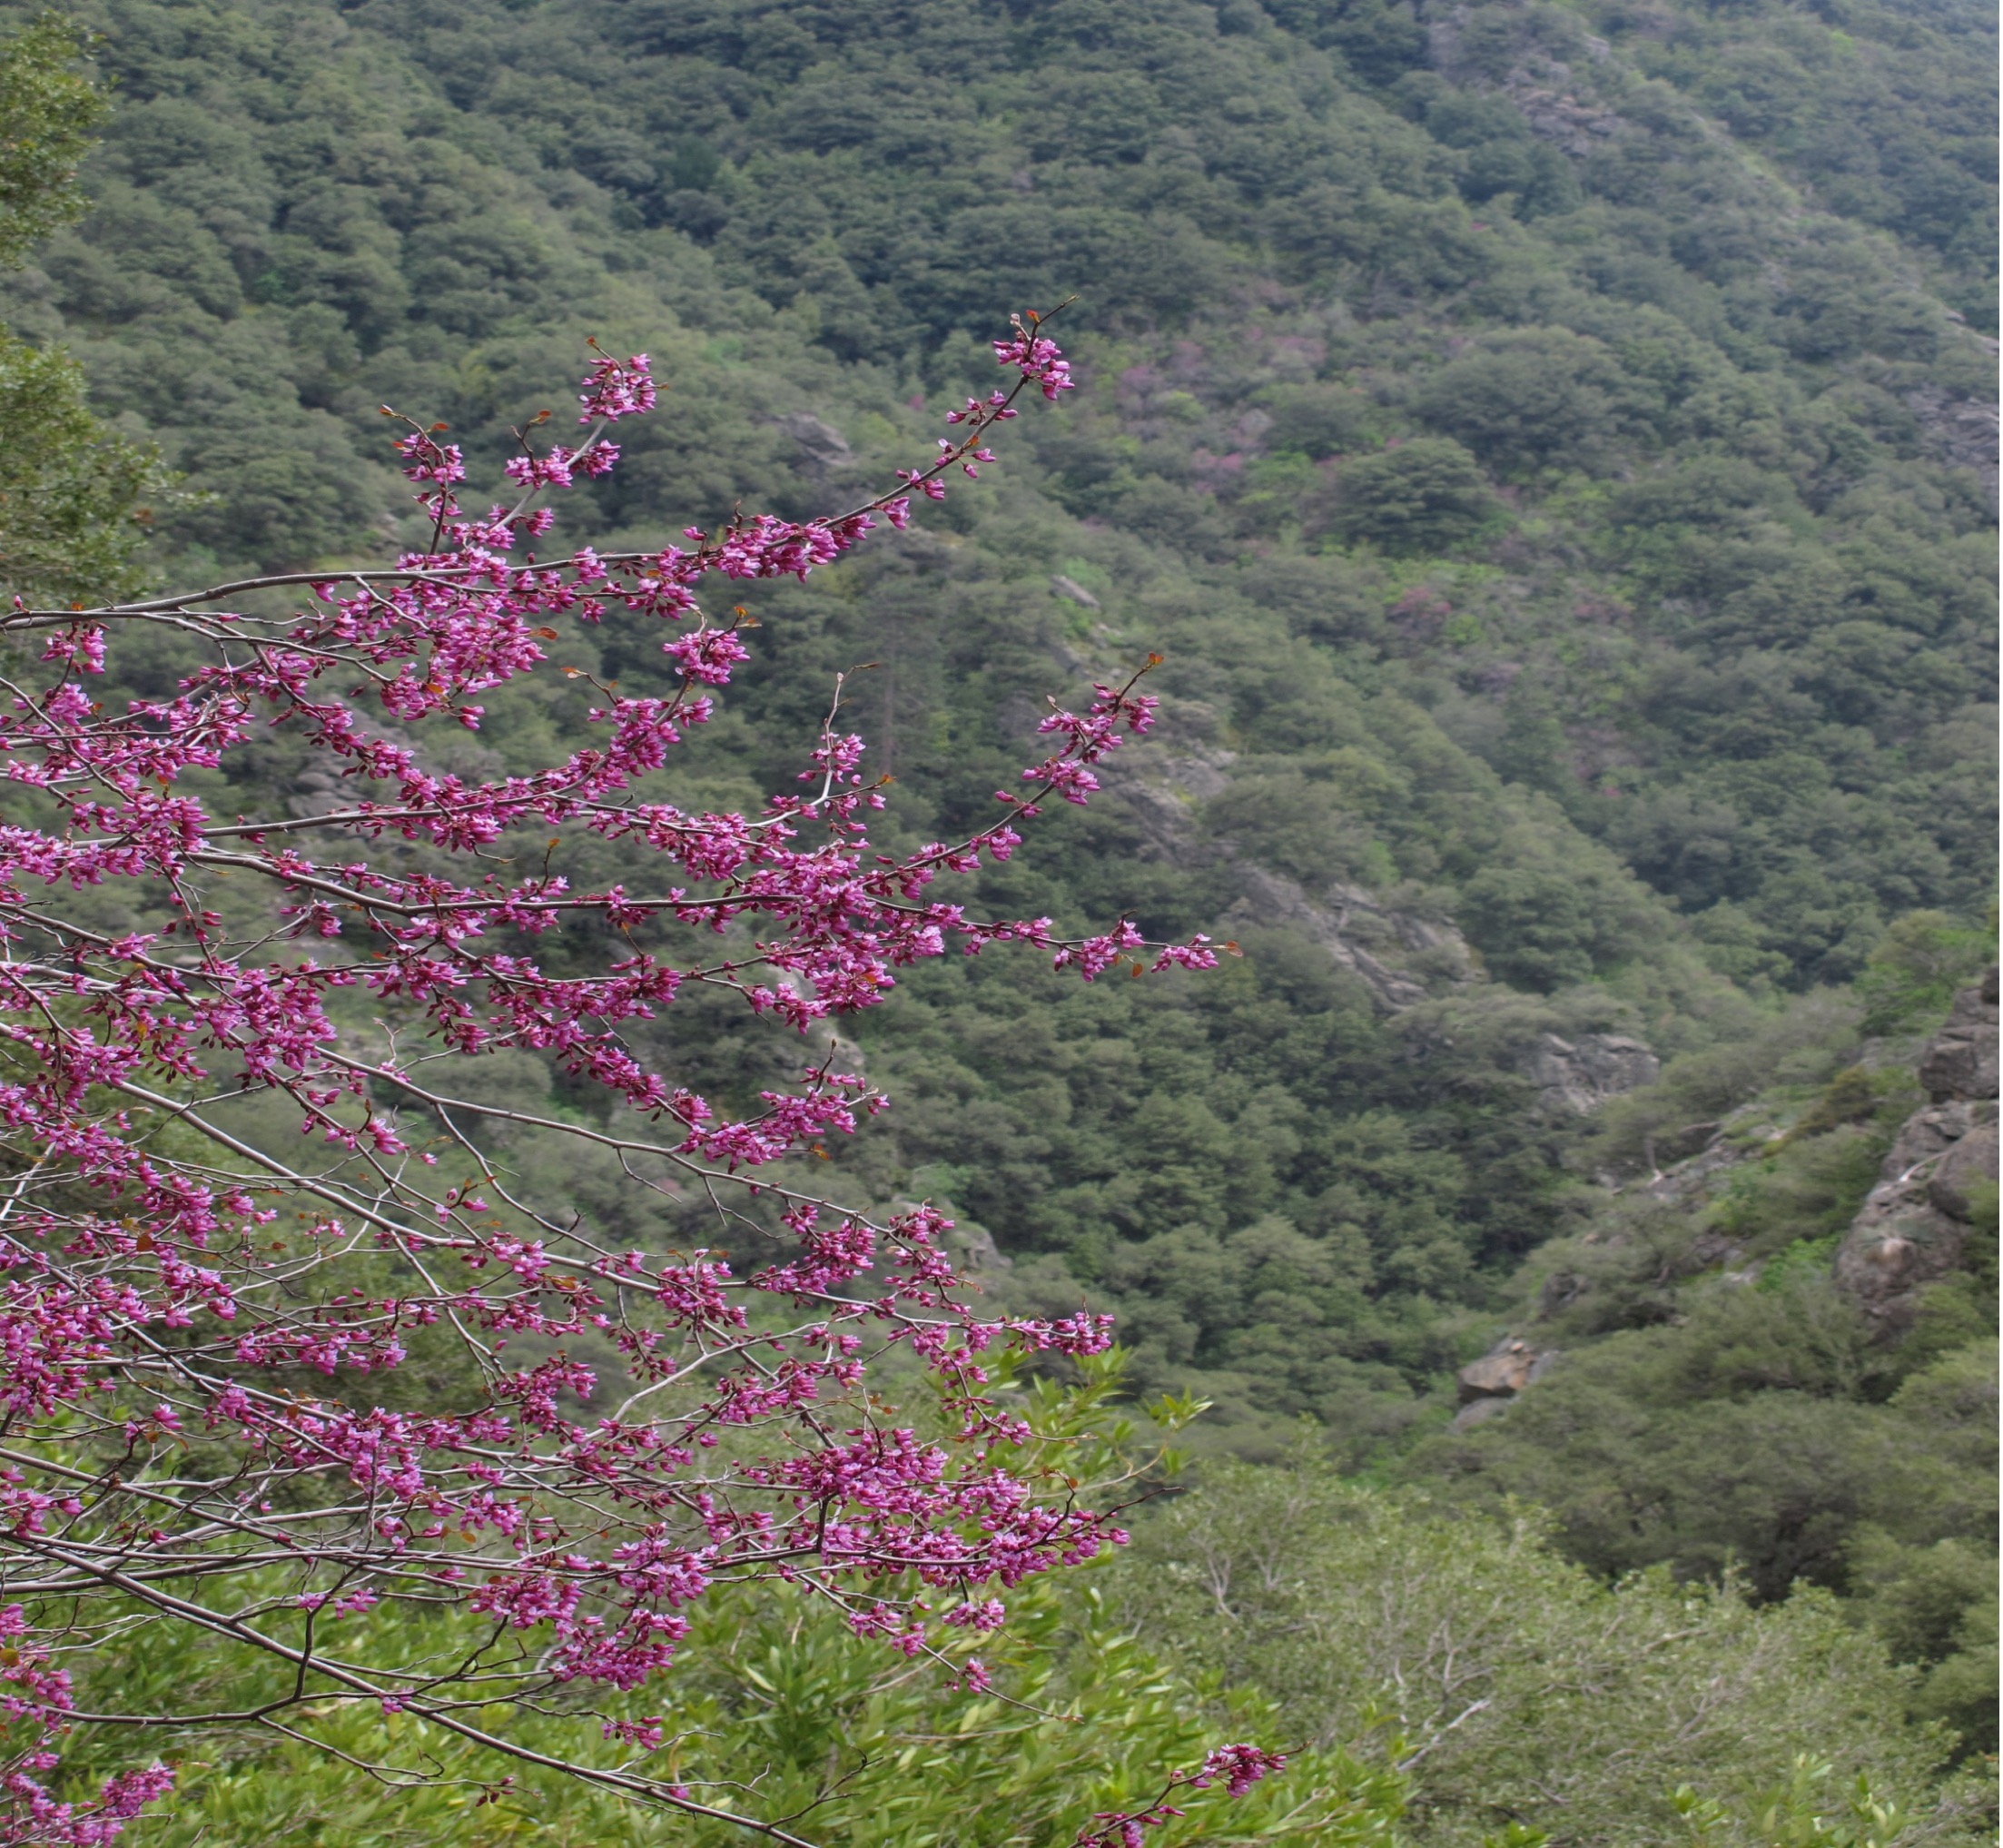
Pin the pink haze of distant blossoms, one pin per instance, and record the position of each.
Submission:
(154, 1326)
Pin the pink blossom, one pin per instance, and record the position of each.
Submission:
(613, 389)
(418, 924)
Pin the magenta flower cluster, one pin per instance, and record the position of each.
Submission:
(1237, 1768)
(33, 1698)
(180, 1302)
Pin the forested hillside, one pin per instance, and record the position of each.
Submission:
(1553, 448)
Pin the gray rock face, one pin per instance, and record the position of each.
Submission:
(1163, 785)
(1360, 933)
(968, 1243)
(315, 791)
(1504, 1371)
(821, 445)
(1970, 1160)
(974, 1251)
(1958, 432)
(1545, 88)
(1668, 1147)
(1580, 1074)
(1554, 112)
(1962, 1060)
(1477, 1412)
(1912, 1228)
(1073, 591)
(1681, 1181)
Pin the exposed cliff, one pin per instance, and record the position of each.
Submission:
(1914, 1226)
(1581, 1072)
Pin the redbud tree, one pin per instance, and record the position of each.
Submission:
(196, 1328)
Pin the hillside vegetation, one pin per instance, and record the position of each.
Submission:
(1553, 447)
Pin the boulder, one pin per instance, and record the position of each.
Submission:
(1561, 1289)
(1477, 1412)
(1970, 1160)
(1488, 1384)
(1665, 1148)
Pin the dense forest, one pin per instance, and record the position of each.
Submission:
(1553, 448)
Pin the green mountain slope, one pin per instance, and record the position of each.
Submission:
(1547, 443)
(1553, 448)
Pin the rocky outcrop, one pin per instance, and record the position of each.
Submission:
(1554, 99)
(1487, 1385)
(1961, 1062)
(1959, 431)
(1163, 785)
(1360, 933)
(1679, 1180)
(1576, 126)
(1914, 1225)
(821, 446)
(971, 1246)
(1578, 1075)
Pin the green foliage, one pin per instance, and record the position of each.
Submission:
(76, 502)
(74, 497)
(1754, 1423)
(48, 111)
(775, 1709)
(1722, 483)
(1920, 962)
(1879, 108)
(1424, 497)
(1536, 398)
(1723, 1404)
(1794, 1053)
(1512, 1686)
(1800, 1813)
(789, 1714)
(1936, 1605)
(1542, 443)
